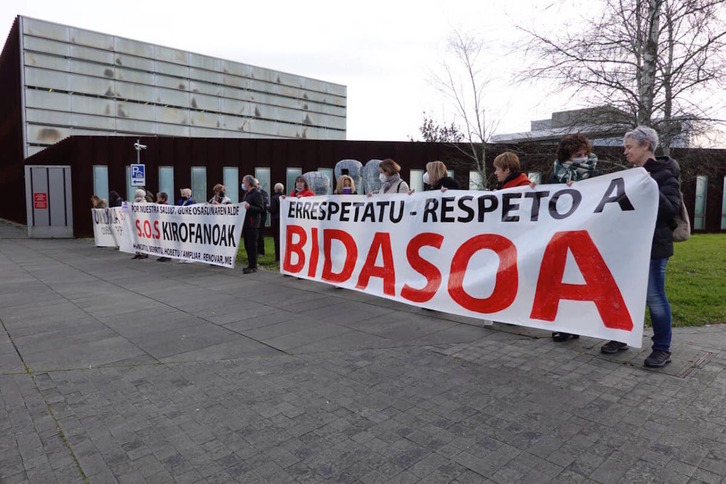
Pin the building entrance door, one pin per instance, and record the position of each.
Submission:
(48, 201)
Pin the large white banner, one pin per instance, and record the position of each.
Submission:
(554, 257)
(108, 225)
(201, 233)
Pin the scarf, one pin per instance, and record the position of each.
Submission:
(395, 178)
(566, 171)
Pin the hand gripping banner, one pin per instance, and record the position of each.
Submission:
(553, 257)
(200, 233)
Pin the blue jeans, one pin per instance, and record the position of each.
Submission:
(658, 305)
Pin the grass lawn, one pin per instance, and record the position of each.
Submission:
(695, 278)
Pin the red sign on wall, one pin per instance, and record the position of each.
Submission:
(40, 200)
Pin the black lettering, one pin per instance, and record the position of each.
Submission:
(618, 186)
(392, 217)
(369, 212)
(447, 207)
(230, 236)
(487, 203)
(508, 205)
(464, 207)
(334, 208)
(430, 209)
(536, 198)
(344, 211)
(576, 199)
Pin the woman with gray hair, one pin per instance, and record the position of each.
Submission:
(275, 216)
(640, 145)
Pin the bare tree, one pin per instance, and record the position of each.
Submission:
(651, 60)
(433, 132)
(462, 81)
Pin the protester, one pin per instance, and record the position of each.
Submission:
(509, 172)
(255, 206)
(140, 197)
(149, 196)
(114, 199)
(275, 217)
(640, 145)
(302, 188)
(162, 198)
(391, 178)
(185, 195)
(263, 220)
(575, 161)
(97, 202)
(345, 186)
(220, 197)
(437, 178)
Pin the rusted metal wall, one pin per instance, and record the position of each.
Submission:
(83, 152)
(12, 187)
(82, 82)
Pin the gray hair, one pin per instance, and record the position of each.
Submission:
(641, 134)
(279, 188)
(250, 180)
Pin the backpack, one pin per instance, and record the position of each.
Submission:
(682, 232)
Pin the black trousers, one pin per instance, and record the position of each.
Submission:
(250, 236)
(261, 235)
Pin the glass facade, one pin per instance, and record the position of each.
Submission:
(329, 173)
(166, 182)
(263, 176)
(231, 181)
(290, 176)
(699, 222)
(475, 181)
(199, 184)
(416, 182)
(100, 181)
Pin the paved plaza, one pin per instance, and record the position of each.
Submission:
(134, 371)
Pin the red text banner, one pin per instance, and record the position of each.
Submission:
(554, 257)
(200, 233)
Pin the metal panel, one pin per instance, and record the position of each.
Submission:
(235, 68)
(234, 81)
(205, 88)
(170, 82)
(134, 62)
(171, 69)
(233, 123)
(135, 126)
(172, 130)
(47, 79)
(233, 107)
(93, 105)
(91, 39)
(57, 197)
(46, 61)
(58, 101)
(88, 85)
(206, 132)
(46, 46)
(39, 28)
(43, 134)
(170, 97)
(206, 76)
(172, 115)
(144, 112)
(88, 121)
(132, 75)
(169, 54)
(205, 62)
(234, 93)
(42, 116)
(133, 47)
(90, 54)
(204, 102)
(51, 213)
(91, 69)
(38, 184)
(137, 92)
(205, 120)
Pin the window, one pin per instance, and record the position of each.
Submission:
(475, 181)
(100, 181)
(699, 222)
(290, 176)
(416, 181)
(263, 176)
(230, 179)
(450, 173)
(129, 188)
(723, 206)
(535, 177)
(166, 182)
(329, 173)
(199, 184)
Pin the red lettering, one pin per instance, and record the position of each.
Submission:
(423, 267)
(506, 284)
(351, 254)
(157, 232)
(296, 248)
(147, 229)
(139, 233)
(387, 272)
(314, 254)
(599, 287)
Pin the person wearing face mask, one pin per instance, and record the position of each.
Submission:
(302, 188)
(575, 161)
(220, 197)
(437, 178)
(185, 197)
(345, 186)
(391, 178)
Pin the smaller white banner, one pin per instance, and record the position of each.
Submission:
(200, 233)
(108, 226)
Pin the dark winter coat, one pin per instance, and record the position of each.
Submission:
(253, 218)
(666, 172)
(447, 182)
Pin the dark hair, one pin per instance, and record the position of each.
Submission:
(304, 180)
(389, 166)
(572, 143)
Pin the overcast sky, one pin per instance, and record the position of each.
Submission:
(384, 51)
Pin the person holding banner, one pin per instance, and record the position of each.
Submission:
(391, 178)
(639, 148)
(437, 178)
(255, 206)
(185, 197)
(114, 199)
(575, 161)
(302, 188)
(509, 172)
(220, 197)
